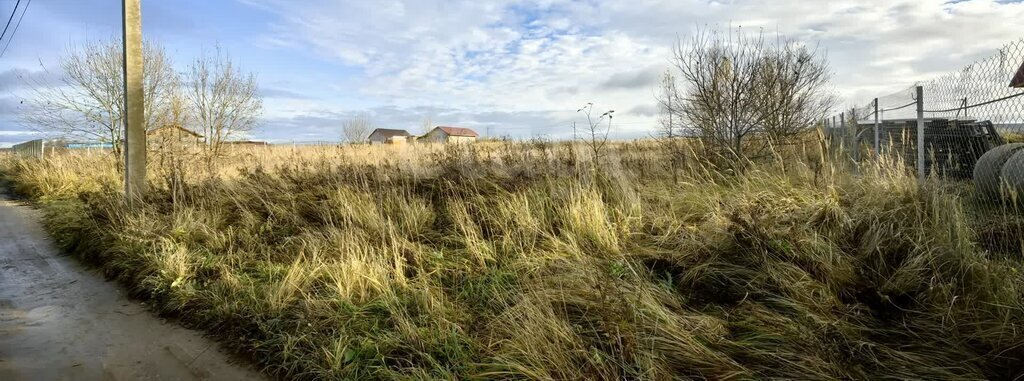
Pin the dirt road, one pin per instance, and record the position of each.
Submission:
(61, 321)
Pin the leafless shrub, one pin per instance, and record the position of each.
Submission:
(597, 130)
(174, 152)
(742, 95)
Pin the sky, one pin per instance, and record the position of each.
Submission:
(503, 67)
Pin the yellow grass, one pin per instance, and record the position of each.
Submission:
(531, 261)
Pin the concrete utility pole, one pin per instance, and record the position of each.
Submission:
(134, 111)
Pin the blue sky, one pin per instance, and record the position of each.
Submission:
(517, 68)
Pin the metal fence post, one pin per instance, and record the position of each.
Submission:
(877, 127)
(822, 127)
(854, 135)
(832, 134)
(920, 131)
(842, 127)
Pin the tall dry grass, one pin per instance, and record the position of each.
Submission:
(529, 261)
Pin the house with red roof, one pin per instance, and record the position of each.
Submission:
(443, 134)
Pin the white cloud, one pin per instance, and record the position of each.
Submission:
(546, 57)
(507, 57)
(523, 67)
(552, 55)
(18, 133)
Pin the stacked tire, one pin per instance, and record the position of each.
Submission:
(1000, 171)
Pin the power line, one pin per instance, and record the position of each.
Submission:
(9, 19)
(23, 10)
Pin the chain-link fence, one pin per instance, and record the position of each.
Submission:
(970, 126)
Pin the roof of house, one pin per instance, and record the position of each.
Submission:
(1018, 79)
(390, 133)
(458, 131)
(246, 142)
(173, 126)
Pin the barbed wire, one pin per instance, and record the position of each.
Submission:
(899, 108)
(1008, 97)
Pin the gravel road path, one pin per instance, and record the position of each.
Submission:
(62, 321)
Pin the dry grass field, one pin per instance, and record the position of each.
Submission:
(531, 261)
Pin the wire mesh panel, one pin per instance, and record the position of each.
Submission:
(977, 113)
(970, 125)
(886, 125)
(897, 125)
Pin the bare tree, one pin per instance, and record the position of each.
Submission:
(426, 125)
(743, 95)
(88, 103)
(794, 84)
(670, 129)
(225, 102)
(357, 129)
(669, 125)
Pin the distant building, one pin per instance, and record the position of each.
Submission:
(89, 145)
(173, 132)
(388, 136)
(171, 140)
(450, 135)
(246, 143)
